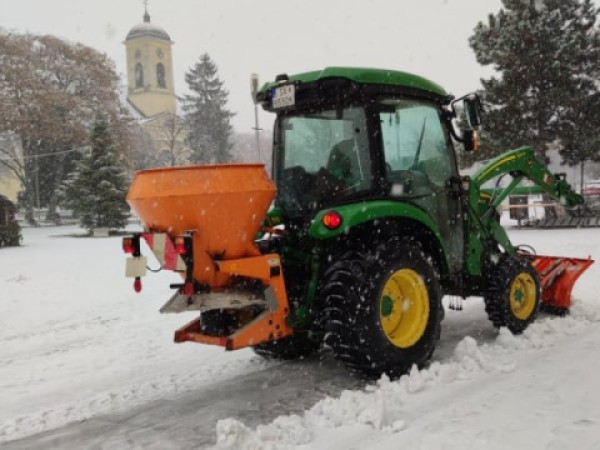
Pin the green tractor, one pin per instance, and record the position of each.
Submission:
(373, 225)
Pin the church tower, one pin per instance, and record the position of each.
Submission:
(150, 69)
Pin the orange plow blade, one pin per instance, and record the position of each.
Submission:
(557, 278)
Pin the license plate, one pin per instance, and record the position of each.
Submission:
(135, 266)
(284, 96)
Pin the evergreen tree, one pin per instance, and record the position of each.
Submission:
(580, 137)
(97, 188)
(206, 114)
(546, 54)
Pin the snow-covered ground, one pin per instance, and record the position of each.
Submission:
(76, 343)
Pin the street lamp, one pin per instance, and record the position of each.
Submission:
(254, 91)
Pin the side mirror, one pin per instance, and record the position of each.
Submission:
(472, 107)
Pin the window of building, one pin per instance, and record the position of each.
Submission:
(139, 75)
(160, 75)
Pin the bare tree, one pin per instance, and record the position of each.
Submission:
(51, 92)
(169, 132)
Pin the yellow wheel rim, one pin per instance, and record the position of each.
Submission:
(523, 296)
(404, 308)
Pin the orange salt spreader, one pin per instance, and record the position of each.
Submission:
(202, 221)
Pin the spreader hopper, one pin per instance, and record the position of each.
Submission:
(222, 205)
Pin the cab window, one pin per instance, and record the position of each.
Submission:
(331, 141)
(414, 139)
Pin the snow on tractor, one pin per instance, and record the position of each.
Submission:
(371, 225)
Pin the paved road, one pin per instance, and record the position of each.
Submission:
(189, 420)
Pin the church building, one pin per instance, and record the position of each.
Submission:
(150, 86)
(151, 95)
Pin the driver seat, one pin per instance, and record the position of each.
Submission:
(343, 163)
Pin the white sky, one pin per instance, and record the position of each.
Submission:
(427, 37)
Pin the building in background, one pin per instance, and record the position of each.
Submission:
(12, 151)
(151, 95)
(150, 86)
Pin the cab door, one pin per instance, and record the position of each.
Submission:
(420, 163)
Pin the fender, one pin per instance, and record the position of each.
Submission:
(367, 211)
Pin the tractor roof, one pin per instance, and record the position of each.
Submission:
(367, 76)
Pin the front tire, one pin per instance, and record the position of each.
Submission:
(383, 309)
(513, 294)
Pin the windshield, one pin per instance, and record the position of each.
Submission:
(321, 157)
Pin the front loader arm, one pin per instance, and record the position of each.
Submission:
(520, 164)
(557, 274)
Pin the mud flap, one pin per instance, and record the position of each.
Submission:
(557, 278)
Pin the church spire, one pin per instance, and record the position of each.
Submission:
(146, 15)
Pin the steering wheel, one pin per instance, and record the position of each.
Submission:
(326, 184)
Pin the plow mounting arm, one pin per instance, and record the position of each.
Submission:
(522, 163)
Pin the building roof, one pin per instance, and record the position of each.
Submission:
(147, 29)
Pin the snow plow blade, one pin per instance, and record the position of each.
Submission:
(557, 278)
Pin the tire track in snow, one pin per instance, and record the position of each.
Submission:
(380, 409)
(254, 398)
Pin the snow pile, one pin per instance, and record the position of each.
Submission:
(381, 406)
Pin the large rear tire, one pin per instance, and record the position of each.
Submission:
(513, 294)
(383, 309)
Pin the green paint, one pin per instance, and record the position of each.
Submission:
(483, 224)
(369, 211)
(367, 76)
(366, 211)
(300, 319)
(519, 295)
(387, 305)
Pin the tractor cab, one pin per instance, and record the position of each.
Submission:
(342, 136)
(345, 136)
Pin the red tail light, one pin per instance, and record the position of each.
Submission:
(128, 246)
(332, 220)
(180, 247)
(137, 284)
